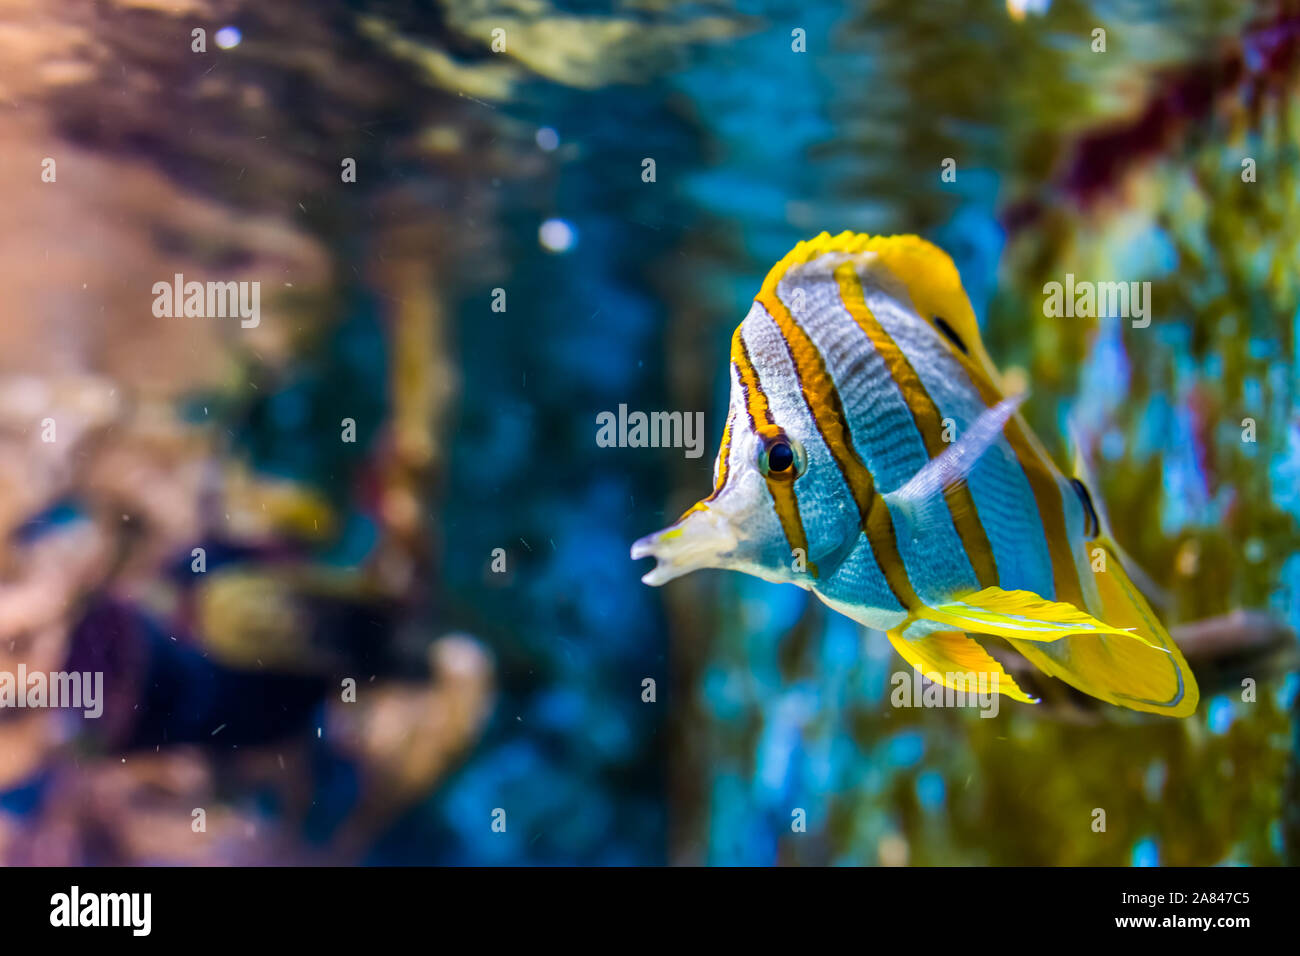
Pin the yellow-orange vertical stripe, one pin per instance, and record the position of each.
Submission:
(827, 411)
(925, 414)
(724, 459)
(1046, 490)
(760, 415)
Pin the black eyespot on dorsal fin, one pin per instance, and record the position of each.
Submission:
(951, 334)
(1093, 527)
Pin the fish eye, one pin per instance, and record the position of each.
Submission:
(782, 457)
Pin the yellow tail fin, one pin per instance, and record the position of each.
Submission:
(1119, 670)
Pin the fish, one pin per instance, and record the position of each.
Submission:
(870, 455)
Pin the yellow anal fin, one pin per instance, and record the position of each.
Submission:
(1020, 614)
(1122, 672)
(954, 660)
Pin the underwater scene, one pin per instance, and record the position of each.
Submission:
(644, 433)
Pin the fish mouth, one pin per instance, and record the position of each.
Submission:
(698, 539)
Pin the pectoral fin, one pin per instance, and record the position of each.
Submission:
(1023, 615)
(950, 658)
(921, 505)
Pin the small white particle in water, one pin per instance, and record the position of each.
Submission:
(218, 730)
(547, 139)
(556, 235)
(228, 37)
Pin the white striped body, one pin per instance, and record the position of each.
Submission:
(870, 456)
(885, 435)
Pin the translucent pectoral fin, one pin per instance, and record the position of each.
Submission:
(953, 467)
(954, 660)
(925, 503)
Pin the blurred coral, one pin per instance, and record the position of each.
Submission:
(143, 533)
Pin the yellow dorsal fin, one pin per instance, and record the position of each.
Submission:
(948, 657)
(925, 271)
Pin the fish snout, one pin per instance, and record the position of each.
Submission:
(701, 538)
